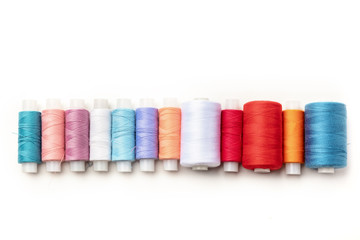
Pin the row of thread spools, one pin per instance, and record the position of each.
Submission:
(200, 135)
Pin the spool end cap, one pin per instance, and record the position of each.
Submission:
(293, 168)
(200, 168)
(171, 165)
(29, 167)
(231, 166)
(53, 166)
(77, 166)
(101, 166)
(147, 165)
(328, 170)
(261, 170)
(123, 166)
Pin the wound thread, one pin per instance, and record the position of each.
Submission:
(53, 135)
(123, 135)
(293, 121)
(77, 134)
(231, 135)
(147, 133)
(29, 138)
(169, 133)
(262, 135)
(325, 135)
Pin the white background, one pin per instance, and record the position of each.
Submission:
(273, 50)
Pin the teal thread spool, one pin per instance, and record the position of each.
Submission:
(325, 136)
(29, 139)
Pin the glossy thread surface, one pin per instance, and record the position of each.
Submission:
(123, 135)
(325, 135)
(29, 139)
(147, 133)
(231, 135)
(262, 135)
(169, 133)
(77, 134)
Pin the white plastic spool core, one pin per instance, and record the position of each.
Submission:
(231, 166)
(29, 167)
(261, 170)
(147, 103)
(53, 103)
(171, 102)
(123, 103)
(29, 105)
(232, 104)
(171, 164)
(101, 166)
(77, 165)
(147, 165)
(293, 168)
(328, 170)
(77, 104)
(200, 168)
(124, 166)
(101, 104)
(53, 166)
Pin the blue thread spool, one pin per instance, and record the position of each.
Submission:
(147, 135)
(29, 140)
(123, 135)
(325, 136)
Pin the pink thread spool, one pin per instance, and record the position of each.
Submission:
(53, 135)
(77, 121)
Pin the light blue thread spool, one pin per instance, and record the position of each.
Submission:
(325, 136)
(123, 135)
(29, 139)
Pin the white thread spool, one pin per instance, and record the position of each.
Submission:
(100, 135)
(29, 105)
(293, 168)
(124, 166)
(200, 119)
(147, 165)
(78, 165)
(53, 166)
(232, 104)
(171, 164)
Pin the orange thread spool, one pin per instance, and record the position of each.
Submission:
(169, 133)
(293, 136)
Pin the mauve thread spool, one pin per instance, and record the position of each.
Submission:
(77, 155)
(262, 136)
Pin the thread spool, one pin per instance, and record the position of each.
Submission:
(325, 136)
(123, 135)
(293, 121)
(29, 138)
(169, 134)
(100, 135)
(200, 134)
(147, 134)
(262, 136)
(53, 135)
(231, 135)
(77, 123)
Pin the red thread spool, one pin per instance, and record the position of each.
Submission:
(231, 135)
(262, 136)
